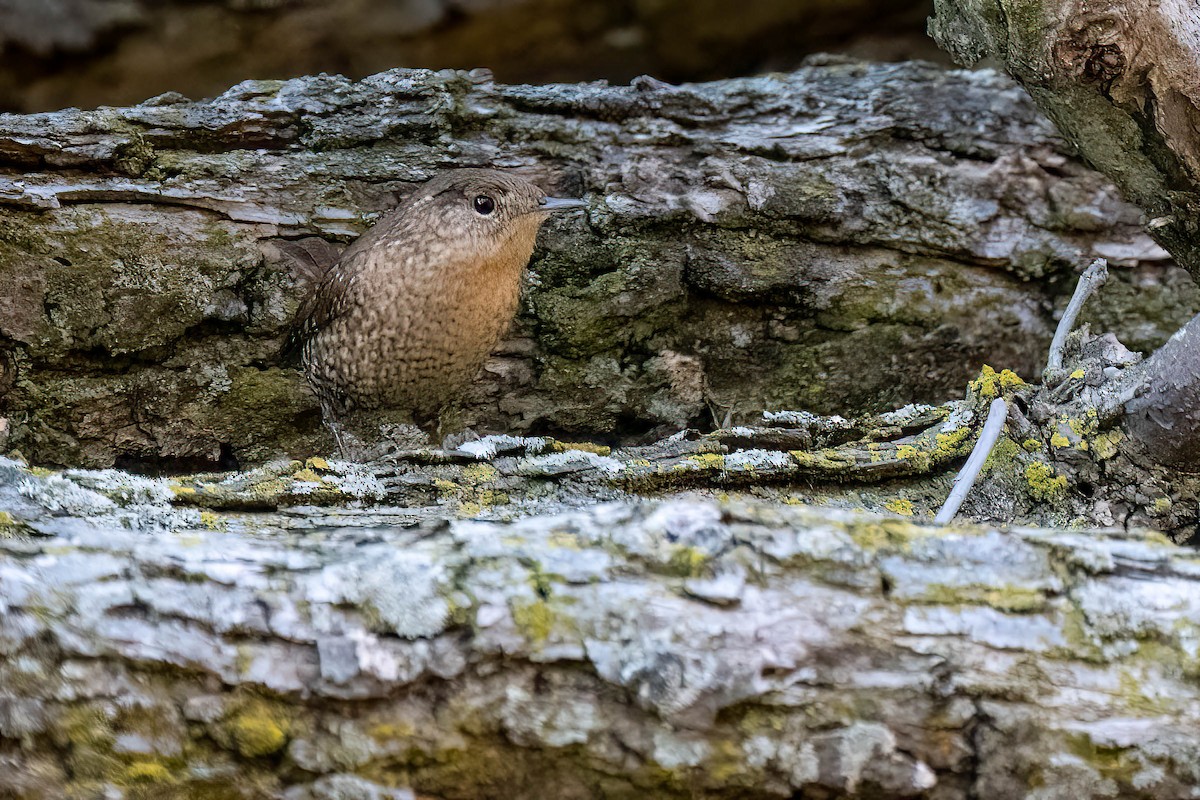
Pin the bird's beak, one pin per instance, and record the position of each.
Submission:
(561, 203)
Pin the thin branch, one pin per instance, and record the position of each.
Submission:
(965, 479)
(1092, 279)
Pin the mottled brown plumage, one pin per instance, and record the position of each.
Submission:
(408, 314)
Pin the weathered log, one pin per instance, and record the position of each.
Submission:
(1121, 78)
(849, 237)
(687, 648)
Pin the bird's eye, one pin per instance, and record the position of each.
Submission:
(484, 204)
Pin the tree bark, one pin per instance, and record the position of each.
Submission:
(1121, 78)
(847, 238)
(684, 648)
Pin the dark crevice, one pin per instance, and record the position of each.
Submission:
(155, 466)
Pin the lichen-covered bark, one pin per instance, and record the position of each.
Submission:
(848, 237)
(87, 53)
(684, 648)
(1121, 78)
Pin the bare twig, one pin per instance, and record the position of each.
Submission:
(1092, 279)
(965, 479)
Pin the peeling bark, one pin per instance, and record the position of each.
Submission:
(847, 238)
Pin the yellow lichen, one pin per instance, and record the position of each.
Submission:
(1012, 599)
(587, 447)
(1031, 445)
(563, 539)
(390, 731)
(211, 520)
(480, 473)
(308, 475)
(468, 509)
(316, 462)
(900, 505)
(709, 460)
(1107, 444)
(687, 562)
(535, 619)
(886, 534)
(949, 443)
(1077, 374)
(1060, 441)
(1044, 483)
(990, 383)
(257, 730)
(148, 772)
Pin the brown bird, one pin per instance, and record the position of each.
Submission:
(410, 311)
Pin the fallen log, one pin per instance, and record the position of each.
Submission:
(847, 238)
(682, 648)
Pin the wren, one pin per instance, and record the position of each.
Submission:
(408, 314)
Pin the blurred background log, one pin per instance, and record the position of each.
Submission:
(58, 53)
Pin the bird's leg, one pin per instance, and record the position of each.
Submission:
(451, 430)
(715, 405)
(330, 420)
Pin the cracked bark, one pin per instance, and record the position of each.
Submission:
(682, 648)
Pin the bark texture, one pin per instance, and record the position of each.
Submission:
(847, 237)
(1121, 78)
(687, 648)
(59, 53)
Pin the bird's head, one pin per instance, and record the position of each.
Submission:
(488, 211)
